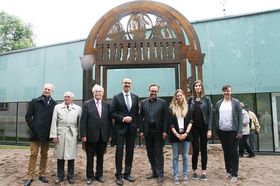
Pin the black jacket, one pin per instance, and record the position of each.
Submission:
(206, 109)
(173, 122)
(92, 126)
(39, 118)
(161, 117)
(119, 111)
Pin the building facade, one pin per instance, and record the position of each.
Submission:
(240, 50)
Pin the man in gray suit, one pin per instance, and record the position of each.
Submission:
(153, 125)
(96, 125)
(125, 111)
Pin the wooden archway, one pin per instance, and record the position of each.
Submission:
(143, 34)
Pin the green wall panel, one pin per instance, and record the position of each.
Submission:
(23, 74)
(241, 51)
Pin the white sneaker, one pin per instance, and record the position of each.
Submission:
(186, 180)
(228, 175)
(176, 181)
(234, 179)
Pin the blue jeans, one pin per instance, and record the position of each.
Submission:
(185, 151)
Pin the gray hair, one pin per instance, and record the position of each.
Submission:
(68, 93)
(97, 87)
(49, 85)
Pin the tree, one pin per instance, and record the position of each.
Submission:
(14, 33)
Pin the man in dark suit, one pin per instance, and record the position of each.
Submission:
(125, 111)
(95, 126)
(153, 126)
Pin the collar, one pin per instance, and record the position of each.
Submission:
(126, 93)
(95, 100)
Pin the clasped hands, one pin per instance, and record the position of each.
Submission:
(127, 119)
(181, 137)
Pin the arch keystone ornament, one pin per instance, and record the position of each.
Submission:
(144, 34)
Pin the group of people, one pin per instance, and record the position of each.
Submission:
(184, 121)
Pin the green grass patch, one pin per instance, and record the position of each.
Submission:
(13, 147)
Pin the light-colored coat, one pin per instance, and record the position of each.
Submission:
(65, 125)
(246, 121)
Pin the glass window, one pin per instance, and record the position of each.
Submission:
(264, 115)
(23, 130)
(8, 123)
(4, 106)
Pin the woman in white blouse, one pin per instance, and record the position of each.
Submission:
(229, 124)
(180, 125)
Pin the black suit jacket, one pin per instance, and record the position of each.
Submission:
(119, 111)
(92, 125)
(161, 117)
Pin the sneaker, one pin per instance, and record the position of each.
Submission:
(186, 180)
(176, 181)
(195, 176)
(203, 177)
(234, 179)
(228, 175)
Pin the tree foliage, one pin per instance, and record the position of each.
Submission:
(14, 33)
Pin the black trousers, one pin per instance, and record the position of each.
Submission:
(129, 140)
(60, 169)
(154, 146)
(92, 149)
(230, 144)
(199, 140)
(243, 144)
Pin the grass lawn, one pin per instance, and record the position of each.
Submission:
(13, 147)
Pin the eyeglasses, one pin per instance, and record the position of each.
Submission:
(126, 82)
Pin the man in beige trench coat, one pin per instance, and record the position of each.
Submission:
(64, 133)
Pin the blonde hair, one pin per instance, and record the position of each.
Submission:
(202, 93)
(179, 109)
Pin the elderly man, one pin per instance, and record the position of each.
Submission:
(64, 132)
(96, 125)
(38, 118)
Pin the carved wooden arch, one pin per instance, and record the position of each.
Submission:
(112, 45)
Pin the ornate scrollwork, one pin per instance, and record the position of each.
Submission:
(161, 30)
(137, 26)
(116, 33)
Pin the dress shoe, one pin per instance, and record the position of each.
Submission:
(119, 181)
(71, 180)
(89, 181)
(151, 177)
(160, 180)
(129, 178)
(43, 179)
(28, 182)
(100, 179)
(58, 181)
(251, 155)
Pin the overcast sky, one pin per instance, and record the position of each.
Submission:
(56, 21)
